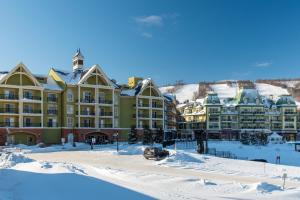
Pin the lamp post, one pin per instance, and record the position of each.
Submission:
(116, 135)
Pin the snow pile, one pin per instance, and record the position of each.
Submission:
(132, 150)
(266, 187)
(12, 159)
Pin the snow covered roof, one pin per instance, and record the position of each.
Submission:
(248, 96)
(71, 77)
(212, 98)
(51, 84)
(3, 74)
(285, 100)
(170, 97)
(140, 87)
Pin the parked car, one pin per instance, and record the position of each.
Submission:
(155, 153)
(260, 160)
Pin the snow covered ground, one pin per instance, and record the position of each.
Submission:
(79, 173)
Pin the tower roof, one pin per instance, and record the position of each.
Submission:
(78, 54)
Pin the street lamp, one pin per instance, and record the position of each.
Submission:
(116, 135)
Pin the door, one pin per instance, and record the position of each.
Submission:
(70, 138)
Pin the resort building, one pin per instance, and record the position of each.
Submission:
(75, 105)
(247, 112)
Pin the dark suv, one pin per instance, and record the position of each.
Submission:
(155, 153)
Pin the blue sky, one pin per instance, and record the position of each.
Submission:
(168, 40)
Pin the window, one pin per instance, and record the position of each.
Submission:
(28, 94)
(116, 122)
(117, 112)
(87, 97)
(116, 99)
(69, 122)
(52, 122)
(52, 97)
(28, 109)
(70, 109)
(70, 96)
(102, 123)
(101, 97)
(27, 122)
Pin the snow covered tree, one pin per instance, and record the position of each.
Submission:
(159, 136)
(147, 139)
(245, 138)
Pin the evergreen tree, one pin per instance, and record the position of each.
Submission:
(159, 136)
(245, 138)
(147, 139)
(132, 136)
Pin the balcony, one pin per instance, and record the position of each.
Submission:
(52, 112)
(105, 126)
(9, 110)
(52, 99)
(32, 111)
(85, 112)
(9, 96)
(290, 113)
(30, 97)
(144, 105)
(51, 124)
(157, 116)
(87, 100)
(105, 101)
(141, 115)
(157, 106)
(105, 114)
(32, 124)
(9, 124)
(86, 125)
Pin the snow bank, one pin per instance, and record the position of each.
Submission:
(12, 159)
(266, 187)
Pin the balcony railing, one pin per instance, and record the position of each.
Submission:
(142, 105)
(157, 116)
(105, 125)
(9, 96)
(105, 101)
(52, 112)
(105, 114)
(141, 115)
(157, 106)
(84, 112)
(290, 113)
(9, 110)
(32, 124)
(32, 111)
(84, 100)
(9, 124)
(86, 125)
(36, 98)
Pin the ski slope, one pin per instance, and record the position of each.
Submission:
(224, 91)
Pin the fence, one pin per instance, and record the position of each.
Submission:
(224, 154)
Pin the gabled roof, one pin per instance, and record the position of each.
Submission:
(141, 86)
(79, 76)
(5, 76)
